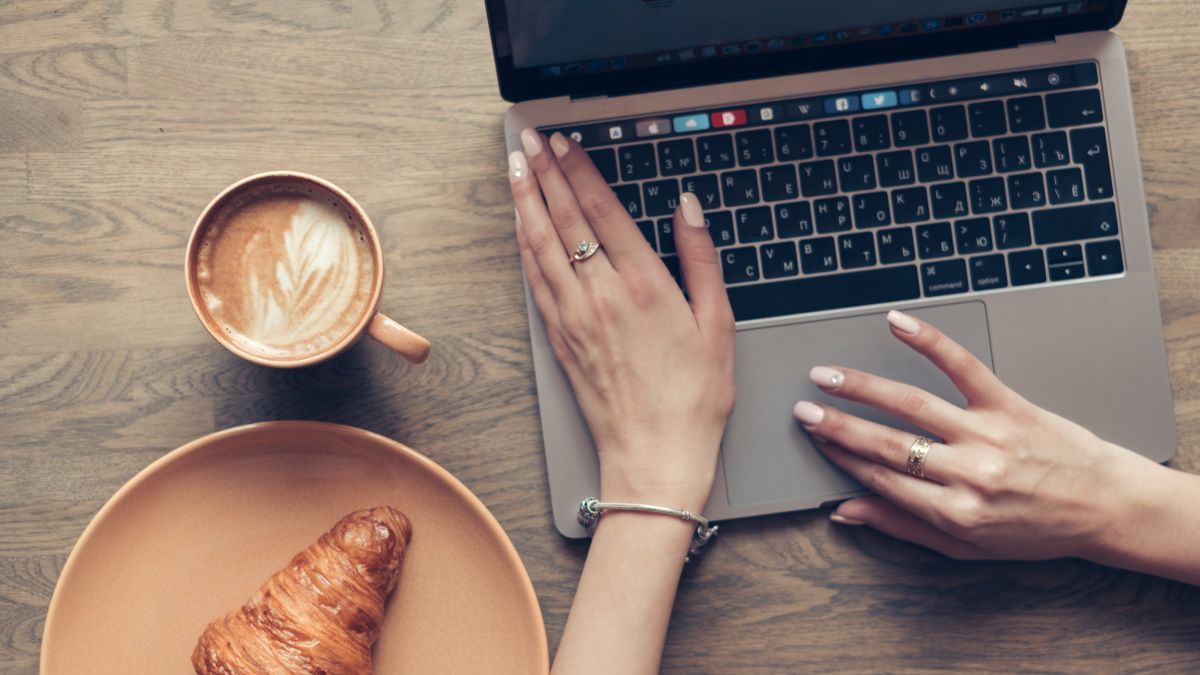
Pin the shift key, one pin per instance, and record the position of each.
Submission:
(1089, 221)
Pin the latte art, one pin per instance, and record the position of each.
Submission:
(284, 274)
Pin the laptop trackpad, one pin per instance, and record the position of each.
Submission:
(767, 455)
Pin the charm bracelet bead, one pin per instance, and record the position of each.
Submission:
(591, 509)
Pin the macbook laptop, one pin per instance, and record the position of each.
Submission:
(972, 162)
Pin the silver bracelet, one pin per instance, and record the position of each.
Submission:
(591, 509)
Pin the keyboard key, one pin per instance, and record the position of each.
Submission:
(661, 197)
(987, 195)
(973, 159)
(832, 215)
(1050, 149)
(987, 119)
(945, 277)
(910, 128)
(949, 200)
(637, 162)
(1066, 272)
(831, 138)
(706, 190)
(630, 197)
(740, 264)
(818, 178)
(816, 294)
(871, 133)
(1065, 186)
(1027, 267)
(793, 143)
(857, 250)
(1012, 231)
(779, 260)
(948, 123)
(1104, 258)
(666, 234)
(871, 210)
(715, 152)
(896, 245)
(728, 118)
(739, 188)
(1072, 223)
(1012, 154)
(1074, 108)
(935, 241)
(720, 228)
(1063, 255)
(856, 173)
(754, 225)
(1026, 190)
(896, 168)
(778, 182)
(793, 219)
(1089, 147)
(910, 205)
(973, 235)
(818, 255)
(676, 157)
(1026, 114)
(934, 164)
(647, 229)
(988, 272)
(754, 147)
(605, 160)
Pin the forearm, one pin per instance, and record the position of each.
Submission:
(618, 621)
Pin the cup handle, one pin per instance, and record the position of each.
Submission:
(398, 338)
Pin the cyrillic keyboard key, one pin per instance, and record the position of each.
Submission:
(910, 205)
(1104, 257)
(816, 294)
(871, 133)
(972, 159)
(630, 197)
(949, 200)
(987, 272)
(987, 195)
(896, 168)
(973, 235)
(831, 138)
(637, 162)
(935, 164)
(661, 197)
(1012, 154)
(715, 152)
(1089, 147)
(793, 143)
(1065, 186)
(1026, 114)
(1026, 190)
(832, 215)
(857, 250)
(948, 123)
(793, 219)
(1012, 231)
(740, 264)
(1072, 223)
(896, 245)
(605, 160)
(705, 187)
(754, 147)
(779, 260)
(910, 128)
(720, 227)
(818, 255)
(871, 210)
(945, 277)
(1027, 267)
(935, 241)
(856, 173)
(778, 182)
(676, 157)
(987, 119)
(754, 225)
(818, 178)
(1050, 149)
(739, 188)
(1074, 108)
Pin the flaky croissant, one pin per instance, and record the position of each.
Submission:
(321, 613)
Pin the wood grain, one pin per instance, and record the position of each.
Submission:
(120, 120)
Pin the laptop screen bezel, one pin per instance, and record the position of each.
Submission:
(526, 83)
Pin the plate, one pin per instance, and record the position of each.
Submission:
(194, 534)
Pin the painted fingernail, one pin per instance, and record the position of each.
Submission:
(531, 141)
(809, 414)
(690, 207)
(827, 378)
(558, 143)
(843, 520)
(518, 166)
(903, 322)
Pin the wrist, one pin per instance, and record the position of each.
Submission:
(1131, 512)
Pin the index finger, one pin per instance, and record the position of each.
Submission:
(970, 376)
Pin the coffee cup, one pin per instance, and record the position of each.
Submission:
(285, 269)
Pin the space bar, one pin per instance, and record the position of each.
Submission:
(816, 294)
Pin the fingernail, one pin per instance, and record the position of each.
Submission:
(689, 206)
(827, 378)
(809, 414)
(518, 166)
(843, 520)
(531, 141)
(903, 322)
(559, 144)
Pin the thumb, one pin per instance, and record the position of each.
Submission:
(698, 260)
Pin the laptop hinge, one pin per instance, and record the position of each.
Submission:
(587, 97)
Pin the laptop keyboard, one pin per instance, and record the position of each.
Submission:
(846, 200)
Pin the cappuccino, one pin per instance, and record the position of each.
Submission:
(285, 271)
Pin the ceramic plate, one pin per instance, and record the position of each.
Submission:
(194, 535)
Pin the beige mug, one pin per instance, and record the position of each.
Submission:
(285, 269)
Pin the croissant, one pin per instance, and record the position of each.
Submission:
(321, 613)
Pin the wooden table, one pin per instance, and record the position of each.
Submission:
(119, 121)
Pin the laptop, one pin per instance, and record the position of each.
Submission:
(970, 162)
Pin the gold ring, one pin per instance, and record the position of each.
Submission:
(917, 453)
(584, 250)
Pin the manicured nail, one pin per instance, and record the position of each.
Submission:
(843, 520)
(809, 414)
(559, 144)
(690, 207)
(531, 141)
(518, 166)
(827, 378)
(903, 322)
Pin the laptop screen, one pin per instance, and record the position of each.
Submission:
(597, 46)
